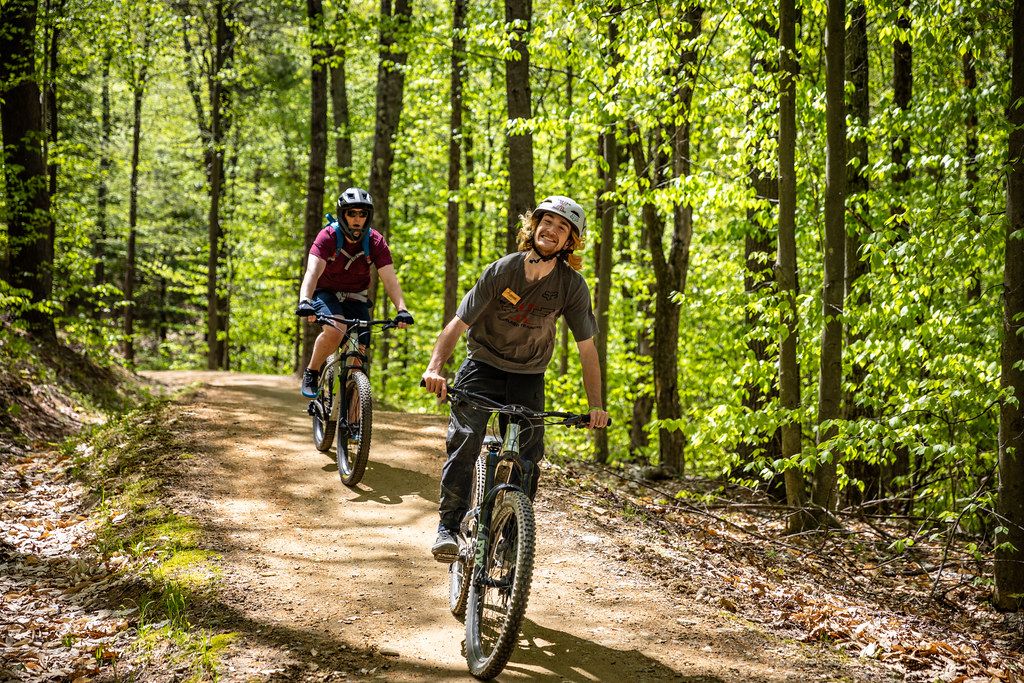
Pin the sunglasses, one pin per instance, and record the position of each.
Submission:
(356, 213)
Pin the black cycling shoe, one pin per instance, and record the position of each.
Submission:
(446, 546)
(310, 382)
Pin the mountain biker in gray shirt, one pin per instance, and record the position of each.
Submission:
(509, 319)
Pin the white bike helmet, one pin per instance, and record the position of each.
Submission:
(567, 209)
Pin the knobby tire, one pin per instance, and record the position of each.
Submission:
(460, 570)
(353, 456)
(494, 615)
(323, 425)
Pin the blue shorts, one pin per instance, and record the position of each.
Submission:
(349, 308)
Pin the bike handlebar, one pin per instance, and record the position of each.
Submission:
(514, 410)
(387, 324)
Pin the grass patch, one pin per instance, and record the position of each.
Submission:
(122, 462)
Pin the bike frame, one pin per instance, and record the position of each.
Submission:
(347, 351)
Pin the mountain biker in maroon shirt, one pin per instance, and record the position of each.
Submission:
(337, 279)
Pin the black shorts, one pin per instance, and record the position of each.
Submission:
(347, 308)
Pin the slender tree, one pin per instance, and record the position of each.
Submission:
(339, 102)
(830, 379)
(1009, 565)
(103, 175)
(390, 87)
(758, 243)
(29, 222)
(670, 270)
(451, 241)
(857, 265)
(219, 48)
(970, 72)
(786, 267)
(608, 151)
(521, 193)
(317, 145)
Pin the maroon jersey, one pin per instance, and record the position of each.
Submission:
(348, 268)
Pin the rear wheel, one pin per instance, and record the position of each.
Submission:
(320, 409)
(355, 429)
(497, 601)
(461, 569)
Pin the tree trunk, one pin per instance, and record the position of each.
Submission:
(758, 244)
(971, 161)
(219, 99)
(857, 265)
(128, 343)
(1008, 569)
(451, 242)
(390, 87)
(102, 192)
(830, 380)
(786, 267)
(29, 223)
(340, 115)
(522, 194)
(608, 151)
(317, 144)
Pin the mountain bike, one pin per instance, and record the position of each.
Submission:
(343, 408)
(489, 583)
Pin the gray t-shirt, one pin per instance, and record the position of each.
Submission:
(512, 322)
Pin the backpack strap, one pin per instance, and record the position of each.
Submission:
(339, 240)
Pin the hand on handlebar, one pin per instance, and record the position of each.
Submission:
(403, 319)
(435, 384)
(312, 310)
(598, 419)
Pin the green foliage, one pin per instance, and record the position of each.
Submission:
(921, 362)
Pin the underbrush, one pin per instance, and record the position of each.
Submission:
(123, 463)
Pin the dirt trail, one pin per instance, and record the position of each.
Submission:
(312, 569)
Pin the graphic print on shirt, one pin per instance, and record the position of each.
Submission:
(523, 314)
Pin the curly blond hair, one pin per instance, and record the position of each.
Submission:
(528, 226)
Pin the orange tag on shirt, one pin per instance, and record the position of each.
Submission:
(510, 296)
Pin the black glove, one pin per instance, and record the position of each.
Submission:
(308, 307)
(404, 316)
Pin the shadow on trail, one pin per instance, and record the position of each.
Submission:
(389, 485)
(563, 656)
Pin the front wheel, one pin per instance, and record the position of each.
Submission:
(460, 570)
(320, 409)
(500, 588)
(355, 426)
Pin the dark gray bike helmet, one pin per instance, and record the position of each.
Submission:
(354, 198)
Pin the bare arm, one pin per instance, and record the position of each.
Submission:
(433, 380)
(314, 269)
(389, 279)
(592, 382)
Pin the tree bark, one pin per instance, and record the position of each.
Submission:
(128, 343)
(758, 244)
(451, 242)
(671, 269)
(390, 88)
(830, 380)
(522, 193)
(786, 267)
(317, 145)
(102, 191)
(608, 151)
(29, 222)
(857, 265)
(971, 160)
(1008, 569)
(212, 130)
(340, 113)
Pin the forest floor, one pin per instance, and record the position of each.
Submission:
(236, 554)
